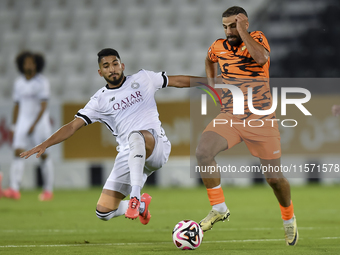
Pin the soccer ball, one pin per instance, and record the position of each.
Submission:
(187, 235)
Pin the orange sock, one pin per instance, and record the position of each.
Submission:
(215, 196)
(287, 212)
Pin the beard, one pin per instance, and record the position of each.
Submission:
(28, 72)
(236, 42)
(115, 81)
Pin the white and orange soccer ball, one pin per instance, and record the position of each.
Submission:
(187, 235)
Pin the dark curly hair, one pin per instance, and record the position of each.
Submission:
(38, 58)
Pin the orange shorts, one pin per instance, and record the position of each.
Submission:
(262, 137)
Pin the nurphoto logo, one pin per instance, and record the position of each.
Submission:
(238, 104)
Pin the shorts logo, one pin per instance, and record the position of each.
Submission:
(135, 85)
(276, 152)
(138, 156)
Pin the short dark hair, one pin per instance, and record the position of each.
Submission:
(37, 57)
(234, 11)
(107, 52)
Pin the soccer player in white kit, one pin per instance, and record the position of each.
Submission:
(126, 105)
(31, 122)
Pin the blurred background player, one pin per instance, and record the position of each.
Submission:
(127, 106)
(244, 61)
(336, 110)
(31, 121)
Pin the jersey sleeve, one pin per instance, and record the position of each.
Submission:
(89, 114)
(212, 53)
(44, 90)
(159, 80)
(259, 37)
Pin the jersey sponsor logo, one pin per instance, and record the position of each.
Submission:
(135, 85)
(128, 101)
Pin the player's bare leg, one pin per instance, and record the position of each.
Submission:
(209, 146)
(141, 144)
(16, 173)
(281, 188)
(110, 205)
(277, 181)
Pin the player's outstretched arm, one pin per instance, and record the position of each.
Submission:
(60, 135)
(15, 113)
(182, 81)
(43, 106)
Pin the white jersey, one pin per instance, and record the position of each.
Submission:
(130, 107)
(29, 94)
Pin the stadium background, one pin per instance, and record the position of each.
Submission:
(170, 35)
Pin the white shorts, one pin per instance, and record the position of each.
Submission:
(21, 139)
(119, 179)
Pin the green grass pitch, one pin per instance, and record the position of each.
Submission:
(68, 224)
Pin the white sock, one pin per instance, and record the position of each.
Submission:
(289, 221)
(16, 172)
(221, 207)
(135, 192)
(123, 206)
(136, 162)
(47, 172)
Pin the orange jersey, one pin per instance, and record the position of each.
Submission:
(240, 69)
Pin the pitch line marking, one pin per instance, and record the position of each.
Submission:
(143, 230)
(154, 243)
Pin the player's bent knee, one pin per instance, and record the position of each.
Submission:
(105, 215)
(202, 154)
